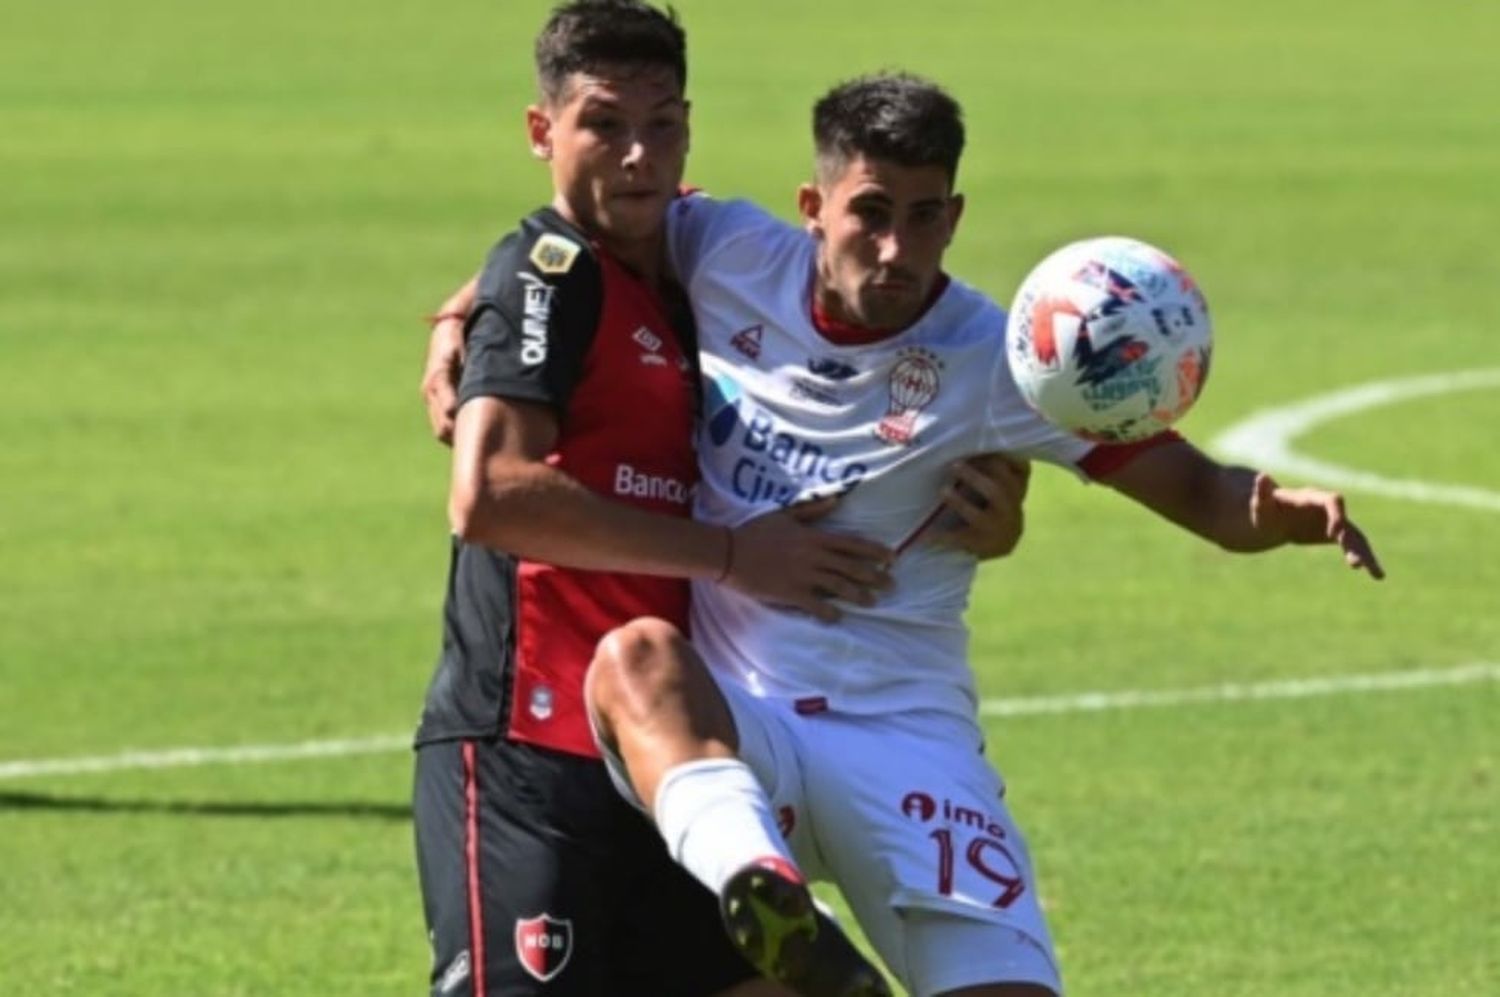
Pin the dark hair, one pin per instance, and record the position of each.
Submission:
(897, 117)
(584, 35)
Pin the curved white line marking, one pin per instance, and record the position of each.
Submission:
(1265, 439)
(1083, 702)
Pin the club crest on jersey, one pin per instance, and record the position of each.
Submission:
(544, 944)
(914, 383)
(554, 254)
(747, 341)
(541, 703)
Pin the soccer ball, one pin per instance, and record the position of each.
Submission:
(1109, 339)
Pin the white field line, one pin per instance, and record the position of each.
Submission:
(1083, 702)
(172, 758)
(1336, 685)
(1264, 440)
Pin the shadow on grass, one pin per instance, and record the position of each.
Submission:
(205, 808)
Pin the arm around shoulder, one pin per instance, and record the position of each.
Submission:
(506, 496)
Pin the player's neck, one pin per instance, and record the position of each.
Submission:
(835, 323)
(643, 257)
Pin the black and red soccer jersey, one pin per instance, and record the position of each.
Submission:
(560, 323)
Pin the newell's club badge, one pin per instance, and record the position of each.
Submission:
(554, 254)
(543, 945)
(914, 384)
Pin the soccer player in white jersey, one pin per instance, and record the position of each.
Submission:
(838, 358)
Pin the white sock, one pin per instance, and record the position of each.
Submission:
(716, 819)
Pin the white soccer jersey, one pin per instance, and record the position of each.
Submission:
(789, 415)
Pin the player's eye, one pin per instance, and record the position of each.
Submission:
(604, 126)
(665, 126)
(927, 214)
(871, 216)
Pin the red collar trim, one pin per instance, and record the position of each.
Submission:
(847, 334)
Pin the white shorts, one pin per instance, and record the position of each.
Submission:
(904, 814)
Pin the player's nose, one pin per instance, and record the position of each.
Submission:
(635, 155)
(890, 248)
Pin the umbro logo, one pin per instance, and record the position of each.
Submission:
(648, 339)
(652, 344)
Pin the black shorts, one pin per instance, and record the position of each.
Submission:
(538, 878)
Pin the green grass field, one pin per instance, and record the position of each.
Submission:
(221, 517)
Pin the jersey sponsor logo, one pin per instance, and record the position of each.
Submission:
(554, 254)
(638, 484)
(971, 844)
(536, 310)
(722, 399)
(809, 390)
(544, 944)
(747, 341)
(921, 807)
(914, 383)
(775, 464)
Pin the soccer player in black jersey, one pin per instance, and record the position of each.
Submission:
(573, 470)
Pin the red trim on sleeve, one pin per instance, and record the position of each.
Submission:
(1108, 458)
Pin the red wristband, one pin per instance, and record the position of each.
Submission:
(444, 316)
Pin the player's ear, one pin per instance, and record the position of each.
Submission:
(810, 206)
(539, 131)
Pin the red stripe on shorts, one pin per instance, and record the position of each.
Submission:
(471, 862)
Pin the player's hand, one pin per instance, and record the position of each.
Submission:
(445, 361)
(1311, 516)
(781, 558)
(983, 504)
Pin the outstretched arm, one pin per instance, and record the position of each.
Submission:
(1238, 508)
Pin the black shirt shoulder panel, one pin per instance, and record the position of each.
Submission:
(540, 298)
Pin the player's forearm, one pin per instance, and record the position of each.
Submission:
(1227, 507)
(541, 514)
(460, 303)
(1204, 497)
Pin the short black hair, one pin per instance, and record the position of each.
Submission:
(585, 35)
(896, 117)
